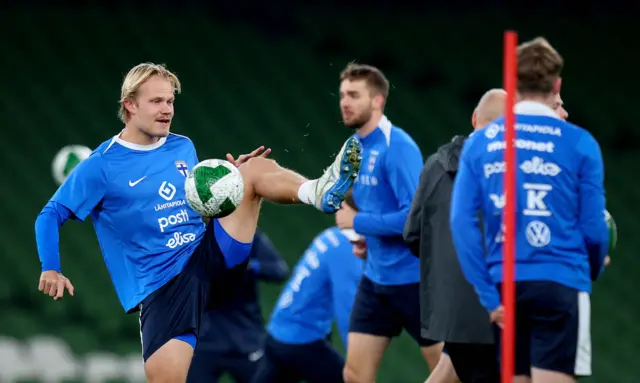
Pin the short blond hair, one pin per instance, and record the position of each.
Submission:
(137, 76)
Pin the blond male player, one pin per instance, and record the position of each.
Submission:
(161, 255)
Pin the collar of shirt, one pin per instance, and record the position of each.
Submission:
(534, 108)
(384, 127)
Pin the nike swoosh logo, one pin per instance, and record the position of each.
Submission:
(132, 184)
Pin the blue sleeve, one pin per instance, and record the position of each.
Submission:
(83, 190)
(403, 164)
(266, 262)
(592, 204)
(195, 155)
(48, 224)
(465, 230)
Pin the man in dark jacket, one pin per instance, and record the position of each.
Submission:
(450, 310)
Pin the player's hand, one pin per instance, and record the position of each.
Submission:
(607, 260)
(497, 316)
(360, 249)
(259, 152)
(345, 216)
(53, 284)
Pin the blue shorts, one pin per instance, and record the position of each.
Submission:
(386, 310)
(175, 310)
(552, 329)
(315, 362)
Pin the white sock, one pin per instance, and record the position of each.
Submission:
(307, 192)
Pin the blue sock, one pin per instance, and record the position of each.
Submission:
(234, 252)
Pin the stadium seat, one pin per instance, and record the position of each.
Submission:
(101, 367)
(52, 359)
(15, 365)
(133, 368)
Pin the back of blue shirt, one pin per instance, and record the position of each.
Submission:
(323, 287)
(559, 203)
(383, 192)
(135, 196)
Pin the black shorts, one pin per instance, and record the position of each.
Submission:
(315, 362)
(175, 309)
(209, 366)
(386, 310)
(552, 329)
(474, 362)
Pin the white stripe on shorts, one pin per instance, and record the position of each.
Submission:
(140, 322)
(583, 353)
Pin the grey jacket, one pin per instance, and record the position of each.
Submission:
(449, 308)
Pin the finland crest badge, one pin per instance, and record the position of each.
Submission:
(182, 168)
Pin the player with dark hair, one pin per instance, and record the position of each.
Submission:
(161, 255)
(561, 234)
(232, 334)
(321, 289)
(388, 295)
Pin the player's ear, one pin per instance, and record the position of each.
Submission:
(378, 101)
(557, 84)
(129, 105)
(474, 118)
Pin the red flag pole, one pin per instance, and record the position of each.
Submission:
(509, 249)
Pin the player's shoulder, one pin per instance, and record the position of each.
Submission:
(493, 131)
(394, 134)
(180, 140)
(331, 245)
(175, 137)
(337, 236)
(400, 137)
(577, 130)
(490, 131)
(330, 239)
(105, 146)
(431, 158)
(97, 157)
(432, 161)
(586, 143)
(446, 157)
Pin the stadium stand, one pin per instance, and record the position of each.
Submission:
(246, 86)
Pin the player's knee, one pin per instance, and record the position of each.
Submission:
(255, 167)
(163, 375)
(258, 165)
(351, 375)
(432, 354)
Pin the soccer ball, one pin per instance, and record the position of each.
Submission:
(66, 160)
(613, 230)
(214, 188)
